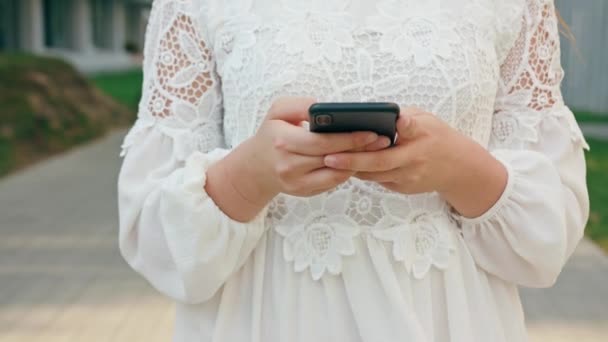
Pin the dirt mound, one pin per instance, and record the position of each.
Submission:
(46, 107)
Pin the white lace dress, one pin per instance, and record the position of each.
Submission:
(357, 264)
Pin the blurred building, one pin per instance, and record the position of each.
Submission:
(93, 34)
(585, 59)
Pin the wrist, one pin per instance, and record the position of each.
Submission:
(476, 180)
(461, 159)
(235, 187)
(246, 173)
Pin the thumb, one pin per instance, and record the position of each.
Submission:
(406, 126)
(291, 109)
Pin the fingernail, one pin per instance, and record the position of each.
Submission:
(386, 142)
(371, 138)
(331, 161)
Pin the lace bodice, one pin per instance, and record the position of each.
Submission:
(489, 69)
(417, 54)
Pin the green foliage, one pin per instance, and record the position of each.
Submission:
(48, 107)
(6, 156)
(588, 117)
(597, 180)
(124, 87)
(132, 47)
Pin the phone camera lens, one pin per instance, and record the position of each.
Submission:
(323, 120)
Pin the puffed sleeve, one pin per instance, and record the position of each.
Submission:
(529, 234)
(171, 231)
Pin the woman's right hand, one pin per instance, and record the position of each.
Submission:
(285, 157)
(288, 158)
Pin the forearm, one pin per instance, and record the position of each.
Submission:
(478, 180)
(236, 187)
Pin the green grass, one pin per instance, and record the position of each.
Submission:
(597, 180)
(587, 117)
(47, 107)
(124, 87)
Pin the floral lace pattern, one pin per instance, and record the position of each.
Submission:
(213, 68)
(413, 30)
(319, 232)
(180, 95)
(530, 81)
(420, 240)
(317, 29)
(321, 236)
(368, 88)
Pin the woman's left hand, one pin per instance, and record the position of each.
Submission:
(429, 156)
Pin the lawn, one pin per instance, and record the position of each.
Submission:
(124, 87)
(47, 107)
(587, 117)
(597, 179)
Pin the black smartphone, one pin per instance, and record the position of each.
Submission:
(340, 117)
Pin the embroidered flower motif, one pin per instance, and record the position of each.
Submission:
(235, 40)
(369, 88)
(419, 241)
(413, 29)
(167, 58)
(317, 29)
(190, 126)
(512, 129)
(324, 234)
(199, 62)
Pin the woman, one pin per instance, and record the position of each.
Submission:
(263, 231)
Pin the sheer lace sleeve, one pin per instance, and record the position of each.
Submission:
(171, 231)
(180, 91)
(532, 230)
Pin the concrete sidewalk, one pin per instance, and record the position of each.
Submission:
(62, 277)
(576, 308)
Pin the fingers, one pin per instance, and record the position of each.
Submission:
(300, 141)
(383, 160)
(406, 127)
(324, 179)
(295, 165)
(407, 123)
(380, 177)
(291, 109)
(380, 144)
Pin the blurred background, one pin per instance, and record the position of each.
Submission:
(70, 82)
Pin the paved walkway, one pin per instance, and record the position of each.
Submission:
(62, 278)
(61, 275)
